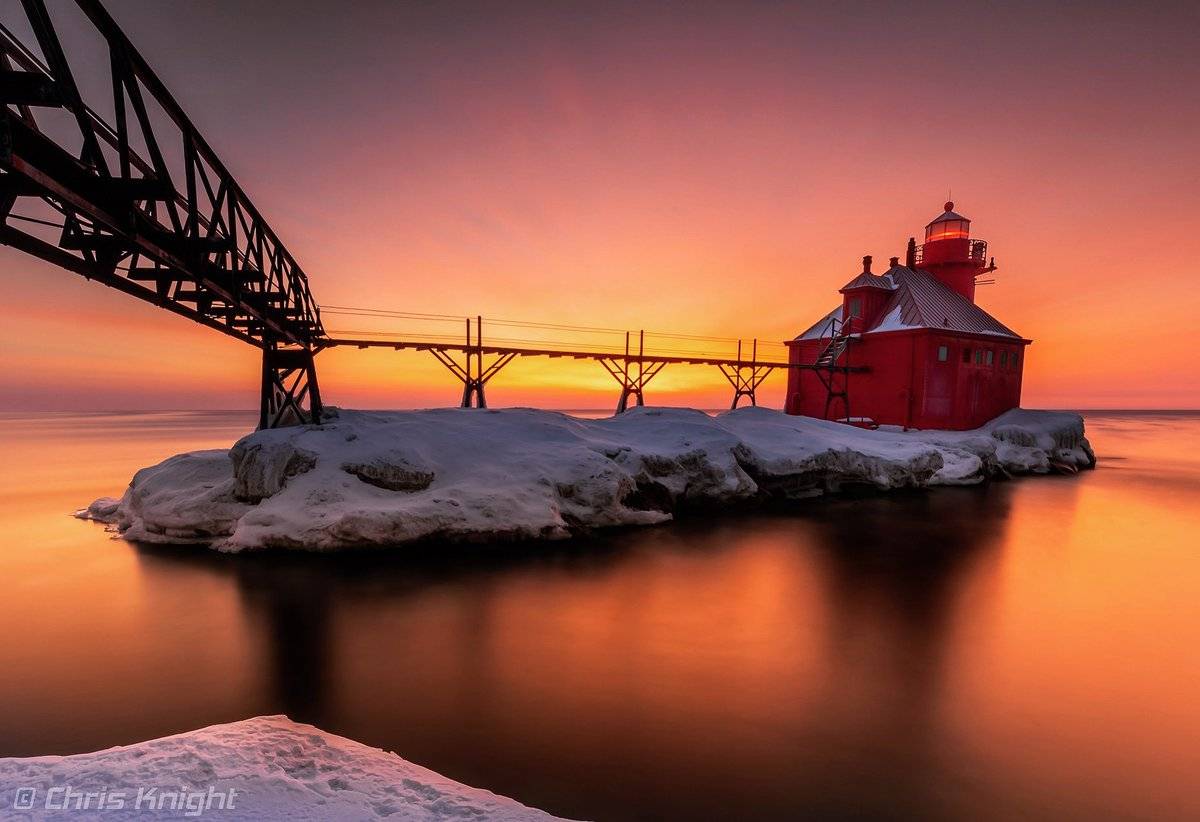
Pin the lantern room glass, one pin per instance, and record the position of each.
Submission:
(947, 230)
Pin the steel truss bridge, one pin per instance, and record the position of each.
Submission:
(138, 200)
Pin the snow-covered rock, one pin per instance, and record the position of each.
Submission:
(103, 509)
(387, 478)
(259, 769)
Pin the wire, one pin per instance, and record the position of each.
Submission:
(405, 315)
(524, 324)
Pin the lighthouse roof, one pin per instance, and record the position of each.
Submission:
(869, 280)
(820, 329)
(921, 300)
(948, 214)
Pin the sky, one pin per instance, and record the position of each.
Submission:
(710, 169)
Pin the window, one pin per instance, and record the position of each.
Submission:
(989, 356)
(943, 353)
(856, 306)
(1003, 359)
(967, 355)
(1015, 358)
(979, 356)
(948, 230)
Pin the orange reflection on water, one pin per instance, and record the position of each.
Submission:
(1023, 650)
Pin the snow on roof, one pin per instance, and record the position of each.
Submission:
(820, 328)
(921, 300)
(893, 321)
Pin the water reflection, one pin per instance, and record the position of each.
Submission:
(896, 573)
(812, 646)
(931, 655)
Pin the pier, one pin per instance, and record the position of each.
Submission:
(142, 203)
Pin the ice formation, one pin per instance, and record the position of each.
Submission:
(389, 478)
(263, 768)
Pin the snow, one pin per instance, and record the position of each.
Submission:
(390, 478)
(893, 321)
(819, 330)
(275, 768)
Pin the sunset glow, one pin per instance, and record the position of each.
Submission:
(540, 410)
(707, 174)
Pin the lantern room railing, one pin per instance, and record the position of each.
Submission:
(977, 252)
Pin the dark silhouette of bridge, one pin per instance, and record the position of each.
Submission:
(142, 203)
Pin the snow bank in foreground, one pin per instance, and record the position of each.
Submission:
(387, 478)
(263, 768)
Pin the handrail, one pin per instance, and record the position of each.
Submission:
(839, 331)
(976, 250)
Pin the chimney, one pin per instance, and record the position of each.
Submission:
(910, 259)
(867, 264)
(893, 262)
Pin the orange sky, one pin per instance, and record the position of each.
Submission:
(702, 169)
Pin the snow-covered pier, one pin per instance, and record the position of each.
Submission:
(391, 478)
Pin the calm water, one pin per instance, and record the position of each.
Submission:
(1026, 650)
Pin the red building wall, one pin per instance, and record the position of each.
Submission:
(907, 385)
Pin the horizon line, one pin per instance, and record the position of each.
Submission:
(561, 409)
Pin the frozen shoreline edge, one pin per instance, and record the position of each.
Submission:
(380, 479)
(275, 768)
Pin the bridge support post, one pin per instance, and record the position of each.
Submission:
(837, 388)
(745, 377)
(633, 372)
(473, 373)
(289, 381)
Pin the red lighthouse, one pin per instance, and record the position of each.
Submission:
(926, 356)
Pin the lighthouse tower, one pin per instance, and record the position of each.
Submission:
(950, 254)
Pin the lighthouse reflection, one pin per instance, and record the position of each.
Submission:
(897, 575)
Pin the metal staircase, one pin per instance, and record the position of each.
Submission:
(832, 374)
(838, 343)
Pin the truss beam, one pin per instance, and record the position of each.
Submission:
(127, 217)
(27, 88)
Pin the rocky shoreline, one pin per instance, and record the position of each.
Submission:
(364, 479)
